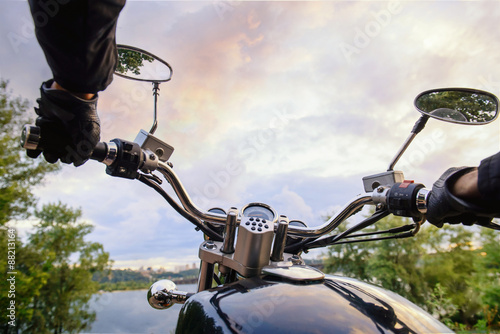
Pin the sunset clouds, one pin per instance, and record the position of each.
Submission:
(288, 103)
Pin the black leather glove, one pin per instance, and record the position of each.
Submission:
(69, 126)
(444, 207)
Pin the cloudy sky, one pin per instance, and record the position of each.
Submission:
(286, 103)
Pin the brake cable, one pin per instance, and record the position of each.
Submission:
(149, 182)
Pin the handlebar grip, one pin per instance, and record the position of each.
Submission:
(31, 139)
(100, 152)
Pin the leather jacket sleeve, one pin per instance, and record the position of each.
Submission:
(489, 178)
(78, 40)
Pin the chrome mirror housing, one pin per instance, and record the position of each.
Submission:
(163, 295)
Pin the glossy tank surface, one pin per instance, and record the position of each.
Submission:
(333, 305)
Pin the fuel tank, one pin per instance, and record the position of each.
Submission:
(333, 304)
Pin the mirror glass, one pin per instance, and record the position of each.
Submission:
(136, 64)
(458, 105)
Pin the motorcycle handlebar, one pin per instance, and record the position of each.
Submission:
(397, 199)
(100, 152)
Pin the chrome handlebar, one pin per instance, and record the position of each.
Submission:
(347, 211)
(186, 201)
(107, 153)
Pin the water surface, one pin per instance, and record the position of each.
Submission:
(129, 312)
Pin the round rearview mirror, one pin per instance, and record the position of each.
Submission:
(158, 294)
(458, 105)
(136, 64)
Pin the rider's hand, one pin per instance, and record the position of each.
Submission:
(443, 206)
(69, 126)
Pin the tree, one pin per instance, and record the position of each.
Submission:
(18, 174)
(451, 264)
(488, 269)
(61, 305)
(452, 272)
(45, 284)
(462, 106)
(130, 60)
(390, 263)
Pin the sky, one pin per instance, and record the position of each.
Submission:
(284, 103)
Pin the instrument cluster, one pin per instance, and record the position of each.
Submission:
(259, 210)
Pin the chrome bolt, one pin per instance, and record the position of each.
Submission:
(210, 245)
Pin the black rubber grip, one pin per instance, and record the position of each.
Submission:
(100, 151)
(31, 139)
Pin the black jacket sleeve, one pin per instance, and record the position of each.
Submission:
(78, 40)
(489, 178)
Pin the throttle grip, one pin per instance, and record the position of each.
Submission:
(31, 139)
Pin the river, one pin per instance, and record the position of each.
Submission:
(129, 312)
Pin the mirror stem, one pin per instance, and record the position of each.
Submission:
(156, 88)
(419, 125)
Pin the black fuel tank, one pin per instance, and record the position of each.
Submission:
(333, 305)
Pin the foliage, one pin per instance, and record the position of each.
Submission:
(468, 107)
(450, 272)
(51, 272)
(62, 302)
(17, 172)
(28, 281)
(55, 267)
(128, 279)
(132, 61)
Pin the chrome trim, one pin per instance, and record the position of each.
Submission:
(30, 137)
(205, 276)
(230, 233)
(348, 210)
(422, 196)
(275, 215)
(379, 195)
(111, 154)
(163, 294)
(401, 151)
(280, 239)
(186, 201)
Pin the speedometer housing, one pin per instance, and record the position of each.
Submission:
(261, 211)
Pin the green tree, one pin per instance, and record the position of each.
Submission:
(390, 263)
(451, 272)
(18, 174)
(451, 264)
(349, 259)
(130, 60)
(488, 280)
(30, 276)
(464, 106)
(41, 267)
(61, 305)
